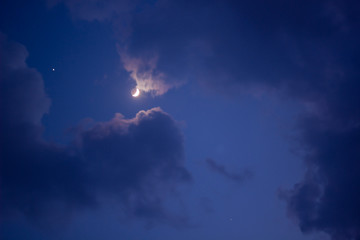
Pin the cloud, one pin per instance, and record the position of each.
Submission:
(143, 72)
(314, 60)
(136, 162)
(249, 43)
(328, 197)
(306, 51)
(237, 177)
(142, 66)
(22, 89)
(316, 65)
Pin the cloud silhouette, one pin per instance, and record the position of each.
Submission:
(136, 162)
(306, 51)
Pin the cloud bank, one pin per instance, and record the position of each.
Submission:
(136, 162)
(306, 51)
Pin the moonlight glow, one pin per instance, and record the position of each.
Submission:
(135, 92)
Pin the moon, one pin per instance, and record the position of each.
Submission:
(135, 93)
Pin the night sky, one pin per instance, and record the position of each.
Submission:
(247, 123)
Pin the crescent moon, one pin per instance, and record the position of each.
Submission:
(136, 93)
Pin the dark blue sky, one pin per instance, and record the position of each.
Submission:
(247, 125)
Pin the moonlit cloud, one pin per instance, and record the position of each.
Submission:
(144, 72)
(303, 51)
(135, 162)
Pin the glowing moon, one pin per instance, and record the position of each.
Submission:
(136, 93)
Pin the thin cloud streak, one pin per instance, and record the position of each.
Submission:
(220, 169)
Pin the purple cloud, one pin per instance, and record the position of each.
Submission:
(136, 162)
(305, 50)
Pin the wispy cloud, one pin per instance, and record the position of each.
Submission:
(144, 72)
(237, 177)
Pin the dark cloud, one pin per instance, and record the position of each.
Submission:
(136, 162)
(237, 177)
(231, 47)
(23, 99)
(304, 50)
(327, 199)
(312, 56)
(258, 45)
